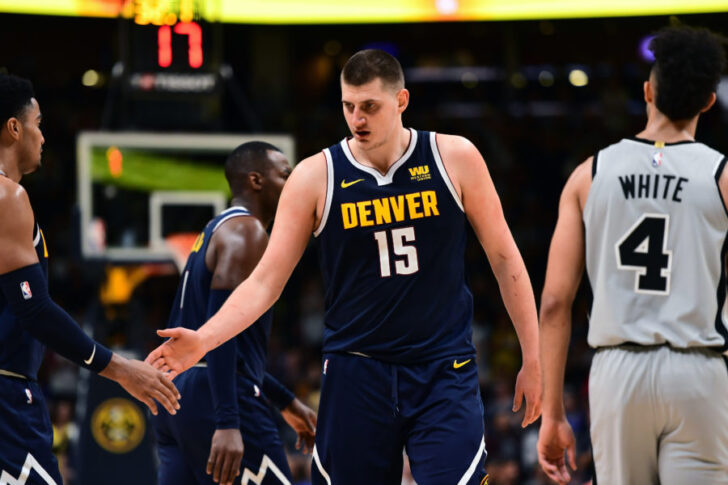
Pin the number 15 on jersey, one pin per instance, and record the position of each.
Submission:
(404, 252)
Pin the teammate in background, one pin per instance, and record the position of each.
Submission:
(30, 320)
(389, 207)
(223, 401)
(648, 217)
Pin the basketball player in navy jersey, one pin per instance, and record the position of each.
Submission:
(29, 320)
(647, 218)
(389, 206)
(224, 395)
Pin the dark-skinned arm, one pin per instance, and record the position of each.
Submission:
(234, 250)
(25, 288)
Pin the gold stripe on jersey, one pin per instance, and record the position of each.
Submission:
(45, 247)
(385, 210)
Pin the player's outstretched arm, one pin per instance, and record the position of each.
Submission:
(563, 274)
(294, 222)
(25, 288)
(470, 176)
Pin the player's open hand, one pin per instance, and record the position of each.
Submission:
(528, 384)
(226, 453)
(303, 420)
(143, 382)
(183, 350)
(556, 444)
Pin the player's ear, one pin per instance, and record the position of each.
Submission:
(402, 100)
(14, 127)
(710, 103)
(648, 91)
(255, 179)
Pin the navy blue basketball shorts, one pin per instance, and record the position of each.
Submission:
(371, 411)
(26, 435)
(183, 440)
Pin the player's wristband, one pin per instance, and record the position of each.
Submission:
(276, 392)
(26, 290)
(221, 370)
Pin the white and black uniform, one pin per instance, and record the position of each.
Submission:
(656, 237)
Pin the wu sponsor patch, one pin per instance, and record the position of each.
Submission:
(25, 289)
(420, 173)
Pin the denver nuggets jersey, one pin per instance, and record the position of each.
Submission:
(19, 351)
(392, 257)
(190, 304)
(656, 230)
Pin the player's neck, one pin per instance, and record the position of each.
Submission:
(385, 155)
(10, 171)
(253, 206)
(661, 128)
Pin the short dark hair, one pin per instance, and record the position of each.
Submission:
(248, 157)
(15, 95)
(369, 64)
(687, 69)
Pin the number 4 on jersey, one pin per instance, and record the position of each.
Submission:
(643, 249)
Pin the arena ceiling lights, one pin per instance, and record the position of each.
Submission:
(370, 11)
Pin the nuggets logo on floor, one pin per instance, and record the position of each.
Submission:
(118, 425)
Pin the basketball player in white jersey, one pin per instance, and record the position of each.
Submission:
(647, 216)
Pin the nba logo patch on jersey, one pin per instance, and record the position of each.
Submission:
(256, 390)
(29, 395)
(326, 366)
(657, 159)
(25, 289)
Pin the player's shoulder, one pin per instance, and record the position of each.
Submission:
(454, 144)
(309, 176)
(236, 232)
(14, 201)
(311, 164)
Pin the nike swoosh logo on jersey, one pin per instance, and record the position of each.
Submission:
(345, 184)
(457, 365)
(90, 359)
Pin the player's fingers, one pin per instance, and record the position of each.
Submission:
(533, 408)
(168, 402)
(158, 362)
(211, 461)
(150, 404)
(169, 332)
(217, 467)
(517, 399)
(153, 355)
(170, 386)
(571, 455)
(228, 468)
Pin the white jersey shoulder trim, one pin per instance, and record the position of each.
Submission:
(329, 192)
(443, 172)
(237, 211)
(36, 240)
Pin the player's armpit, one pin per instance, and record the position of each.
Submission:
(16, 227)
